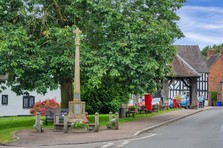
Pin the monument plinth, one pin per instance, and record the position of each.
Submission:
(77, 111)
(77, 107)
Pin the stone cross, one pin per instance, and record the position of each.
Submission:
(77, 32)
(76, 107)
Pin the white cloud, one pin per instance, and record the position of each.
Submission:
(201, 25)
(202, 38)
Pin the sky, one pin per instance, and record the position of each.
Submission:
(201, 22)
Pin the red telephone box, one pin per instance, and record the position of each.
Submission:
(148, 102)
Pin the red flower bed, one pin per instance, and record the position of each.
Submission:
(42, 106)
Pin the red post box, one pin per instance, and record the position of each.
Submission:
(148, 102)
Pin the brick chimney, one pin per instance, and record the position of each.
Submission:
(211, 52)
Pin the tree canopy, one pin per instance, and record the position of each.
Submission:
(215, 47)
(126, 45)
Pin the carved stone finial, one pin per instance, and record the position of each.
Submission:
(77, 32)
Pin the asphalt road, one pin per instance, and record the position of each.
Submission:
(202, 130)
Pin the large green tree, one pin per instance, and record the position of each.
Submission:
(126, 45)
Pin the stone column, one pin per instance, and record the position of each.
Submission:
(77, 65)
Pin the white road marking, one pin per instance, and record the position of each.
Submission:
(107, 145)
(123, 143)
(143, 137)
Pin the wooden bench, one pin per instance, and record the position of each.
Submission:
(164, 106)
(156, 108)
(130, 111)
(142, 109)
(51, 113)
(93, 128)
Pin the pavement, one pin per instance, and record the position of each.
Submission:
(29, 138)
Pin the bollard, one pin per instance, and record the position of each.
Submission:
(116, 121)
(110, 116)
(38, 124)
(96, 122)
(65, 123)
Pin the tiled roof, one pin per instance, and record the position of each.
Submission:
(182, 69)
(192, 55)
(211, 60)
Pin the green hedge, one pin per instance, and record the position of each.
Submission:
(14, 122)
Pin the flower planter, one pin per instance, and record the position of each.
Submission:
(79, 130)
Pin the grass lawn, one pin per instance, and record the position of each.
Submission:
(8, 125)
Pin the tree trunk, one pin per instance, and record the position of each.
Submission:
(66, 93)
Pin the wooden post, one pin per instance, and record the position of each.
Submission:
(194, 93)
(116, 121)
(110, 116)
(65, 123)
(38, 124)
(57, 118)
(96, 122)
(165, 92)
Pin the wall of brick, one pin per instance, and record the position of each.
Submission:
(215, 76)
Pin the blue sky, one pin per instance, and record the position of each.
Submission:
(201, 22)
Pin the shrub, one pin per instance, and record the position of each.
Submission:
(132, 108)
(111, 124)
(214, 97)
(78, 125)
(42, 106)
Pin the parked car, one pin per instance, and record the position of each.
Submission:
(156, 101)
(185, 102)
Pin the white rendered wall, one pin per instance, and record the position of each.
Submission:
(15, 103)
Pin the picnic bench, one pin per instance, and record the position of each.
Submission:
(130, 112)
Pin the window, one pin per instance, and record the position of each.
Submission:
(28, 101)
(4, 99)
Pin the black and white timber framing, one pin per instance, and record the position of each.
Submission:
(178, 87)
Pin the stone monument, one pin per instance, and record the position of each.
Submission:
(77, 107)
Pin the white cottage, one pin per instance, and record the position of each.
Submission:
(14, 105)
